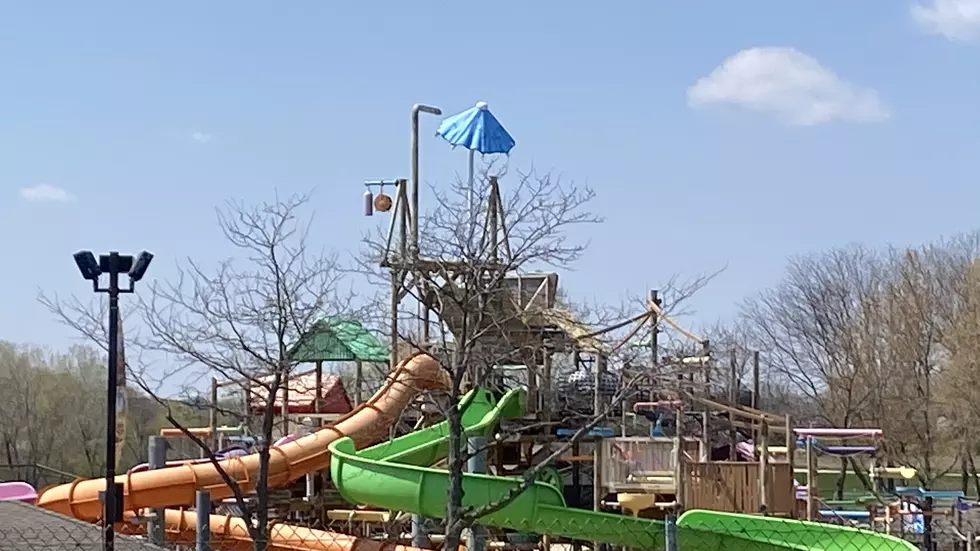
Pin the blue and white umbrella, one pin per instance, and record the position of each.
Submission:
(477, 130)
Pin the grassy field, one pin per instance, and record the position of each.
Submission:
(827, 483)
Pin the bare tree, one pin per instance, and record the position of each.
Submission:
(820, 328)
(235, 322)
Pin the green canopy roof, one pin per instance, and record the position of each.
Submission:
(336, 340)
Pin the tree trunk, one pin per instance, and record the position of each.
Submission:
(457, 462)
(841, 479)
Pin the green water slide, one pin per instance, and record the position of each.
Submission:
(395, 475)
(790, 533)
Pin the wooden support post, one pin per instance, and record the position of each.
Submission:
(318, 396)
(755, 387)
(546, 385)
(654, 344)
(764, 466)
(358, 381)
(531, 361)
(706, 436)
(393, 322)
(791, 455)
(246, 407)
(285, 403)
(213, 417)
(679, 469)
(811, 482)
(597, 401)
(733, 401)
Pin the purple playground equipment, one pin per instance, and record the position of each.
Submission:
(18, 491)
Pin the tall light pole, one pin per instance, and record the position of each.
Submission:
(112, 264)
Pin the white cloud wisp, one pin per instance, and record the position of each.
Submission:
(957, 20)
(45, 193)
(785, 82)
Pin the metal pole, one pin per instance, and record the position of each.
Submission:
(416, 109)
(203, 510)
(420, 539)
(598, 486)
(670, 532)
(109, 516)
(471, 162)
(477, 463)
(158, 460)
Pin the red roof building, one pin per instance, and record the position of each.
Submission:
(302, 396)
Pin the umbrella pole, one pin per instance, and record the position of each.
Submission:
(469, 193)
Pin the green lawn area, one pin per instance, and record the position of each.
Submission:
(827, 483)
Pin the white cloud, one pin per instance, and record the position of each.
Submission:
(45, 193)
(788, 83)
(201, 137)
(957, 20)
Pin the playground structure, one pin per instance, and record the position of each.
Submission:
(681, 449)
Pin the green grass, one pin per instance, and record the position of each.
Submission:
(827, 484)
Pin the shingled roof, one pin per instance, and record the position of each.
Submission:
(337, 340)
(25, 527)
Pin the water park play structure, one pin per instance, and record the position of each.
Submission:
(664, 463)
(396, 474)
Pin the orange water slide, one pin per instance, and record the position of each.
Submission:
(176, 486)
(231, 534)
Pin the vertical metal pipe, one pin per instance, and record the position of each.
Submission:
(111, 496)
(158, 460)
(477, 463)
(420, 539)
(598, 486)
(670, 531)
(203, 509)
(416, 109)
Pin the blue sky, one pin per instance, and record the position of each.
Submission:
(715, 133)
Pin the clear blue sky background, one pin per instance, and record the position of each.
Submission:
(104, 99)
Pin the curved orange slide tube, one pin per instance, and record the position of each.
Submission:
(231, 534)
(176, 486)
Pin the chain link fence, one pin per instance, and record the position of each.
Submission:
(27, 528)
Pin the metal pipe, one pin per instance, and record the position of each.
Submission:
(202, 508)
(158, 460)
(112, 498)
(477, 463)
(419, 538)
(471, 222)
(416, 109)
(670, 531)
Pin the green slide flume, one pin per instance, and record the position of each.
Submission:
(396, 475)
(790, 533)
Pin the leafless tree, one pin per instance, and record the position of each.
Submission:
(819, 326)
(236, 322)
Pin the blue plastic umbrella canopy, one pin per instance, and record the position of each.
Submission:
(478, 130)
